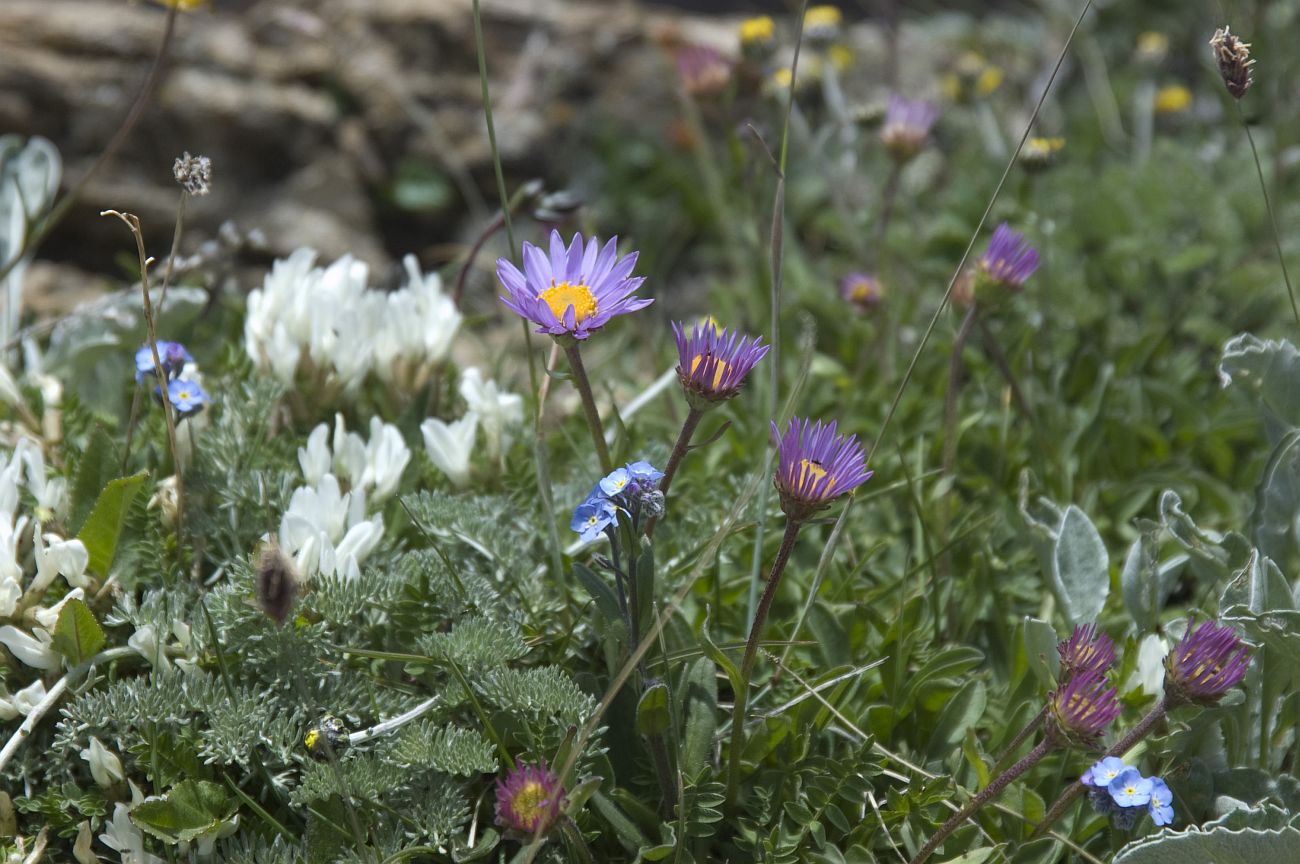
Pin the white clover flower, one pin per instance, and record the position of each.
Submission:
(449, 446)
(326, 531)
(349, 453)
(58, 557)
(10, 534)
(497, 411)
(105, 767)
(9, 392)
(11, 591)
(314, 459)
(122, 836)
(1149, 675)
(386, 458)
(11, 477)
(147, 643)
(33, 649)
(26, 699)
(51, 493)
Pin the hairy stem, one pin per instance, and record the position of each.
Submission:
(999, 783)
(583, 384)
(693, 417)
(792, 527)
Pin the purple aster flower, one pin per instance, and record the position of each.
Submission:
(1009, 260)
(816, 466)
(572, 292)
(862, 290)
(1210, 661)
(1084, 706)
(1103, 772)
(172, 354)
(593, 516)
(907, 126)
(1162, 802)
(186, 397)
(712, 365)
(530, 799)
(1086, 649)
(1131, 789)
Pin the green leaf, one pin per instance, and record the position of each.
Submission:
(191, 809)
(714, 653)
(1079, 569)
(77, 635)
(606, 599)
(1277, 500)
(104, 524)
(1268, 368)
(652, 717)
(962, 712)
(946, 664)
(1139, 581)
(1219, 845)
(975, 856)
(1040, 649)
(98, 466)
(701, 715)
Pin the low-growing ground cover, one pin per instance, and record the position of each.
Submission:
(861, 472)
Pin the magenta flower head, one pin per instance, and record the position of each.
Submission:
(530, 800)
(571, 293)
(712, 365)
(862, 290)
(1209, 662)
(1006, 265)
(907, 126)
(1085, 649)
(702, 70)
(1083, 707)
(816, 466)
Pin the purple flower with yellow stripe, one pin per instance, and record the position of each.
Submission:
(1083, 707)
(1085, 649)
(907, 126)
(816, 466)
(712, 364)
(574, 291)
(1208, 662)
(1009, 261)
(530, 799)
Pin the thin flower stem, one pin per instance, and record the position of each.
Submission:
(1125, 744)
(792, 527)
(1272, 219)
(999, 783)
(683, 444)
(176, 246)
(887, 200)
(950, 444)
(583, 384)
(1021, 736)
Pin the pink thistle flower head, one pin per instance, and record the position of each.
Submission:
(530, 799)
(816, 466)
(1085, 649)
(712, 364)
(1208, 662)
(1083, 707)
(571, 292)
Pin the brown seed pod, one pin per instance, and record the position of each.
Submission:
(277, 583)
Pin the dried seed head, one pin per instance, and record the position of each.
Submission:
(194, 173)
(277, 583)
(1233, 57)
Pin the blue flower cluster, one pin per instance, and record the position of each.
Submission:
(1121, 792)
(632, 489)
(185, 394)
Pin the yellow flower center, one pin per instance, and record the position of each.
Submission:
(560, 297)
(528, 804)
(760, 29)
(811, 473)
(183, 395)
(1130, 790)
(718, 371)
(593, 519)
(822, 16)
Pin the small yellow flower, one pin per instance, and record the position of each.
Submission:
(1174, 99)
(841, 56)
(184, 5)
(822, 17)
(989, 80)
(1152, 46)
(759, 30)
(1039, 152)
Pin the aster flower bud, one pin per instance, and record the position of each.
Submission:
(1085, 650)
(862, 290)
(1208, 662)
(530, 799)
(1005, 267)
(1233, 57)
(194, 173)
(907, 127)
(1082, 708)
(276, 583)
(712, 365)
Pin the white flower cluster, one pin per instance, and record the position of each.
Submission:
(450, 445)
(54, 557)
(327, 319)
(325, 529)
